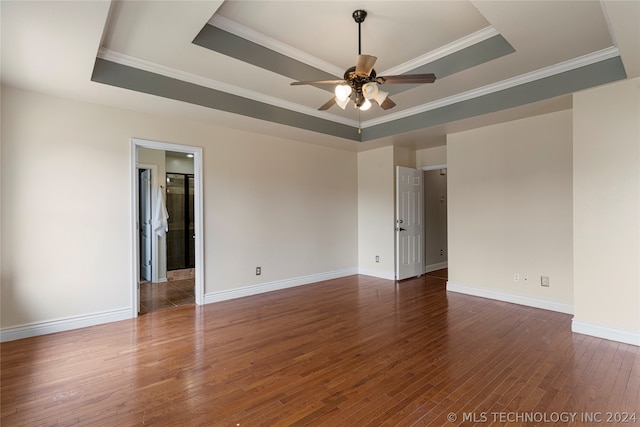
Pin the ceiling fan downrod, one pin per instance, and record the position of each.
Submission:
(359, 16)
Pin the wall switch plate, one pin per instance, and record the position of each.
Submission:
(377, 258)
(258, 271)
(544, 281)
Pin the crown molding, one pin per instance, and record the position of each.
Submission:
(562, 67)
(152, 67)
(441, 52)
(572, 64)
(273, 44)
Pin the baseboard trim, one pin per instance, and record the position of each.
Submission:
(64, 324)
(434, 267)
(377, 274)
(275, 286)
(515, 299)
(606, 332)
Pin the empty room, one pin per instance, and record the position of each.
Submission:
(320, 213)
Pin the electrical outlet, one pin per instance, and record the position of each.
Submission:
(544, 281)
(258, 271)
(377, 258)
(516, 277)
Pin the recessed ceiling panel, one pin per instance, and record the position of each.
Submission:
(394, 31)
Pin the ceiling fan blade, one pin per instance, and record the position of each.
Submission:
(321, 82)
(407, 78)
(387, 104)
(365, 65)
(328, 104)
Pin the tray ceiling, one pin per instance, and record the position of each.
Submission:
(232, 62)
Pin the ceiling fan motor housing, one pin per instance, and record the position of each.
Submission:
(357, 81)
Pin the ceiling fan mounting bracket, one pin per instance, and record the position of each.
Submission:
(359, 15)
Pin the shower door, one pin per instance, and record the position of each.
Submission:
(181, 234)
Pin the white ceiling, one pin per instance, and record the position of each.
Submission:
(52, 47)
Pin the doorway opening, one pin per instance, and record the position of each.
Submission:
(421, 221)
(153, 163)
(435, 218)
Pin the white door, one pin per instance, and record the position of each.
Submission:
(409, 223)
(145, 224)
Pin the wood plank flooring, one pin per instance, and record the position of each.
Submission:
(354, 351)
(174, 293)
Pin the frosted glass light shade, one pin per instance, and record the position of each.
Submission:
(365, 105)
(342, 92)
(342, 103)
(381, 96)
(370, 90)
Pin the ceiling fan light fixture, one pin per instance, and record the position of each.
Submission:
(381, 96)
(365, 105)
(342, 103)
(342, 93)
(370, 90)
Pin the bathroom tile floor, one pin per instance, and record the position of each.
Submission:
(156, 296)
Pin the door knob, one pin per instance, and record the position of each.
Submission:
(400, 229)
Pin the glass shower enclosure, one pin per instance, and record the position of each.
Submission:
(181, 234)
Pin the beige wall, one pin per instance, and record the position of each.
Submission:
(606, 210)
(431, 156)
(510, 209)
(403, 156)
(376, 212)
(289, 207)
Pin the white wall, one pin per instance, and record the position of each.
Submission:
(286, 206)
(510, 210)
(376, 212)
(606, 211)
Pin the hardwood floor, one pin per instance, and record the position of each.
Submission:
(353, 351)
(174, 293)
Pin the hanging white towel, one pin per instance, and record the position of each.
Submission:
(160, 216)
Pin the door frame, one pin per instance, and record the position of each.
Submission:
(198, 215)
(433, 167)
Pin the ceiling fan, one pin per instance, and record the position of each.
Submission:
(360, 83)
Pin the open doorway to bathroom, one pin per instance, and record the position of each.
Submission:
(435, 219)
(168, 203)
